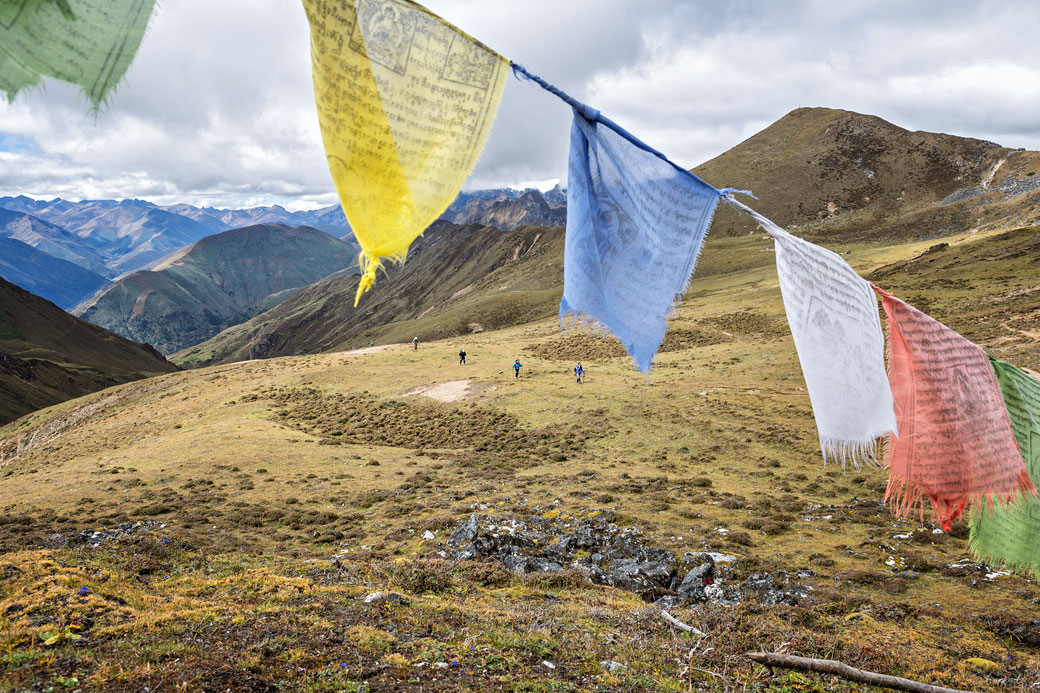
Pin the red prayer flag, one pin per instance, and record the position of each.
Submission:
(954, 442)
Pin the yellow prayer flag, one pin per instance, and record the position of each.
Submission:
(405, 101)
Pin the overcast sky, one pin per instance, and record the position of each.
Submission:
(218, 108)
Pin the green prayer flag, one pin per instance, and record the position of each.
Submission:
(86, 42)
(1011, 533)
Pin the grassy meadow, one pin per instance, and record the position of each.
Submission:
(285, 491)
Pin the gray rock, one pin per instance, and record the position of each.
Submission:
(697, 578)
(515, 564)
(467, 553)
(564, 546)
(467, 531)
(543, 565)
(760, 583)
(628, 574)
(611, 666)
(391, 598)
(483, 546)
(57, 541)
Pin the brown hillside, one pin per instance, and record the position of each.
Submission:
(853, 176)
(457, 280)
(48, 356)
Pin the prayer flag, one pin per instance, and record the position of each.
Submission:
(635, 226)
(954, 442)
(405, 102)
(1011, 533)
(834, 320)
(87, 42)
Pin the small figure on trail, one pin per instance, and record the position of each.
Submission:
(415, 344)
(516, 369)
(579, 372)
(462, 357)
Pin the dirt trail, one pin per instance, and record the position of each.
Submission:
(988, 178)
(452, 391)
(369, 350)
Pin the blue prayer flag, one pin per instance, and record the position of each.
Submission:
(635, 227)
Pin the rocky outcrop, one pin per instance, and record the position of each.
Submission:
(616, 556)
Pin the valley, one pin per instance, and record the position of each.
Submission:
(312, 504)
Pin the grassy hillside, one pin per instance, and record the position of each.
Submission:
(286, 492)
(218, 281)
(457, 280)
(48, 356)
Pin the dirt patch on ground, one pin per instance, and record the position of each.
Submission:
(590, 346)
(452, 391)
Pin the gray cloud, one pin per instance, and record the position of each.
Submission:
(218, 108)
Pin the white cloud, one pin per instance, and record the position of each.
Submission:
(218, 107)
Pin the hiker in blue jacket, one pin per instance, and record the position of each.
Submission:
(516, 369)
(579, 372)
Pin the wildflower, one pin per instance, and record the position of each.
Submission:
(83, 590)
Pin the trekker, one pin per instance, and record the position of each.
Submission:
(462, 357)
(579, 372)
(415, 344)
(516, 369)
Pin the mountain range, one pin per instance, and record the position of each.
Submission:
(457, 280)
(114, 238)
(59, 281)
(216, 282)
(835, 176)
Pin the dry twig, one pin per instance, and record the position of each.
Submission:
(682, 626)
(830, 666)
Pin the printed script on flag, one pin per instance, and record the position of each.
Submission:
(954, 442)
(635, 227)
(834, 320)
(406, 102)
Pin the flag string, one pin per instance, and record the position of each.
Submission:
(594, 115)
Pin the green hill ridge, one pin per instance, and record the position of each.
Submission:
(216, 282)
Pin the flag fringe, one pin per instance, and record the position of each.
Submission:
(859, 452)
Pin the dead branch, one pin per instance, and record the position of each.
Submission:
(682, 626)
(830, 666)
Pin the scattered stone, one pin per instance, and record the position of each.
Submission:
(391, 598)
(611, 666)
(547, 664)
(693, 586)
(97, 537)
(428, 535)
(616, 556)
(467, 531)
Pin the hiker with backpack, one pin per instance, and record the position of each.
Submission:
(516, 369)
(415, 344)
(462, 357)
(579, 373)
